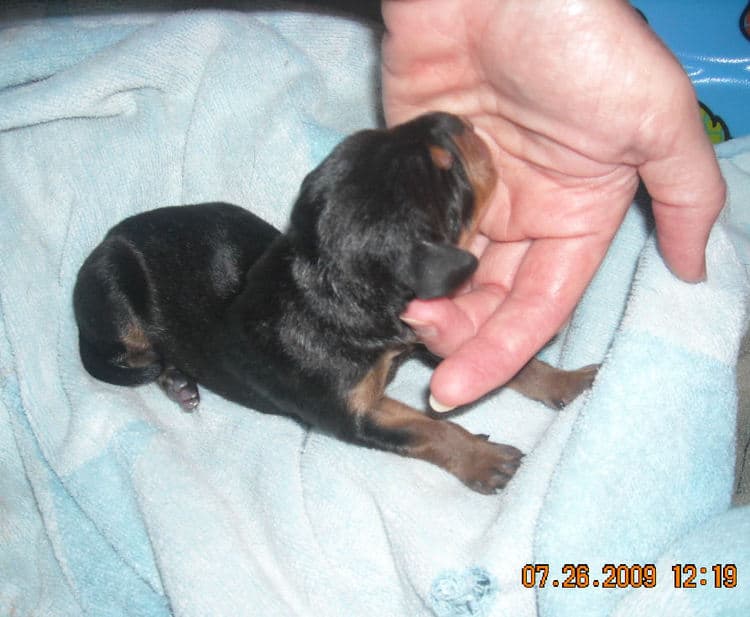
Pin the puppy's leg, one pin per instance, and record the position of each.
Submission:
(182, 389)
(117, 364)
(374, 420)
(480, 464)
(552, 386)
(112, 300)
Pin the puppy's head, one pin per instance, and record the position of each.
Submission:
(394, 209)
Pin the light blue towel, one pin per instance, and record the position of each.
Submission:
(113, 502)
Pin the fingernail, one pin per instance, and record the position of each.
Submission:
(701, 278)
(414, 323)
(704, 275)
(438, 406)
(421, 328)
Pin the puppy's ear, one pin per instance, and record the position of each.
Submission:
(437, 269)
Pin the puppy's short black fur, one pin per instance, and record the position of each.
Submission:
(306, 323)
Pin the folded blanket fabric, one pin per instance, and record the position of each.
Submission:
(112, 502)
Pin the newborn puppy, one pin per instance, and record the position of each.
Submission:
(306, 323)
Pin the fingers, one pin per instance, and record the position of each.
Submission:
(425, 65)
(548, 285)
(688, 193)
(443, 325)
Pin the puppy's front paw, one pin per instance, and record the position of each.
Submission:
(567, 385)
(180, 388)
(488, 466)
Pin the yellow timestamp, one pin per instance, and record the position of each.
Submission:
(631, 576)
(690, 575)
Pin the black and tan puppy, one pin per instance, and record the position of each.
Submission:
(306, 323)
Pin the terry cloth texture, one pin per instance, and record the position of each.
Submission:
(113, 503)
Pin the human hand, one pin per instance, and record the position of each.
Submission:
(575, 99)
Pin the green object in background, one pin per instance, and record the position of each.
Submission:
(712, 42)
(715, 127)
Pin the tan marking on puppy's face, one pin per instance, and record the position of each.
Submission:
(477, 162)
(441, 157)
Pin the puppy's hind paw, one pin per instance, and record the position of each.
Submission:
(180, 388)
(567, 385)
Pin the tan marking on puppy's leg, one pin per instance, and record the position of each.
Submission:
(370, 389)
(387, 424)
(552, 386)
(480, 464)
(139, 350)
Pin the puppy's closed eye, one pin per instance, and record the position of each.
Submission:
(436, 269)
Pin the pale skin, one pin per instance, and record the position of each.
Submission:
(576, 100)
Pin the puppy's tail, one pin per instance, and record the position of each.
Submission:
(109, 362)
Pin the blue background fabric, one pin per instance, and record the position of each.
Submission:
(112, 502)
(712, 41)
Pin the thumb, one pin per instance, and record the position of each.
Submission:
(688, 193)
